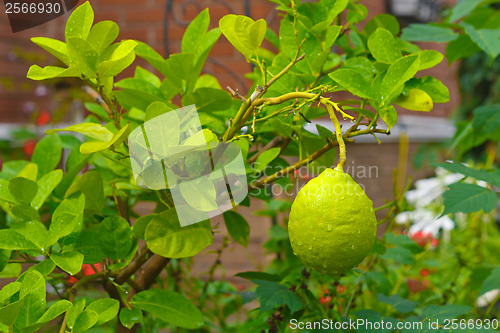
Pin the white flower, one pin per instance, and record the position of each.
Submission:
(487, 298)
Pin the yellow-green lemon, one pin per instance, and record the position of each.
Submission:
(332, 225)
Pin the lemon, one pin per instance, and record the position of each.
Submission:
(332, 225)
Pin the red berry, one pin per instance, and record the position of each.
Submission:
(29, 147)
(43, 118)
(424, 272)
(340, 289)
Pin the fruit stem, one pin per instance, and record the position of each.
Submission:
(340, 139)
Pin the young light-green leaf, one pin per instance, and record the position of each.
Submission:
(265, 158)
(80, 22)
(102, 35)
(53, 46)
(46, 184)
(170, 307)
(57, 309)
(70, 262)
(47, 154)
(83, 55)
(243, 33)
(415, 100)
(397, 74)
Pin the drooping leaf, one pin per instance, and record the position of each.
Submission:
(237, 227)
(170, 307)
(130, 317)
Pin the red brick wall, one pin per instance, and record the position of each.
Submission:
(144, 20)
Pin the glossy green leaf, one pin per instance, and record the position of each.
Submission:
(265, 158)
(116, 58)
(415, 100)
(116, 237)
(25, 212)
(92, 130)
(80, 22)
(35, 231)
(33, 294)
(67, 217)
(54, 47)
(90, 184)
(9, 313)
(11, 271)
(398, 73)
(238, 227)
(85, 321)
(106, 309)
(89, 245)
(83, 55)
(166, 237)
(272, 295)
(429, 58)
(29, 171)
(243, 33)
(46, 184)
(74, 312)
(468, 198)
(140, 225)
(130, 317)
(70, 262)
(154, 58)
(487, 39)
(385, 21)
(4, 191)
(44, 267)
(102, 35)
(418, 32)
(11, 240)
(23, 189)
(4, 260)
(353, 81)
(47, 153)
(383, 46)
(7, 291)
(438, 92)
(169, 306)
(389, 116)
(56, 309)
(38, 73)
(199, 193)
(196, 29)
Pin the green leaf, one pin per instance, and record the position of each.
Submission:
(11, 240)
(238, 227)
(166, 237)
(89, 245)
(33, 294)
(90, 184)
(486, 123)
(419, 32)
(44, 267)
(415, 100)
(398, 73)
(49, 72)
(487, 39)
(102, 35)
(56, 309)
(79, 22)
(46, 185)
(272, 295)
(265, 158)
(492, 282)
(443, 312)
(156, 109)
(438, 92)
(35, 231)
(116, 58)
(70, 262)
(199, 193)
(462, 47)
(83, 55)
(129, 317)
(9, 313)
(208, 100)
(47, 154)
(429, 58)
(489, 177)
(170, 307)
(116, 237)
(92, 130)
(468, 198)
(74, 311)
(67, 217)
(7, 291)
(30, 171)
(385, 21)
(389, 116)
(353, 81)
(54, 47)
(140, 225)
(106, 309)
(11, 271)
(243, 33)
(4, 260)
(23, 189)
(95, 146)
(462, 9)
(85, 321)
(196, 29)
(398, 303)
(383, 46)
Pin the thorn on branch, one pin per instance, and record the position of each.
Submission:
(236, 94)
